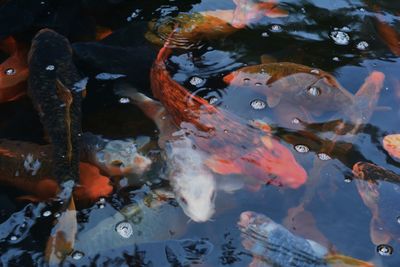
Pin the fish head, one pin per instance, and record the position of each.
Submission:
(248, 11)
(122, 157)
(197, 196)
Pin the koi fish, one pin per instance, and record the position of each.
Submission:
(273, 245)
(294, 84)
(193, 184)
(376, 191)
(236, 146)
(190, 28)
(13, 71)
(56, 90)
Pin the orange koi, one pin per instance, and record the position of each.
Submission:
(236, 146)
(13, 71)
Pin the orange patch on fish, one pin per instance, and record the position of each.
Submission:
(391, 143)
(13, 71)
(92, 185)
(247, 11)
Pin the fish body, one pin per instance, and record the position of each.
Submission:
(290, 83)
(148, 219)
(273, 245)
(192, 28)
(193, 183)
(53, 87)
(236, 146)
(13, 71)
(378, 188)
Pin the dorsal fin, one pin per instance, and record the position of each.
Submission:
(265, 59)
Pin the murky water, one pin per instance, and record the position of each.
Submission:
(343, 38)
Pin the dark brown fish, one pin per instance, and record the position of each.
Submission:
(56, 93)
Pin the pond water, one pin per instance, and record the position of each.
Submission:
(343, 38)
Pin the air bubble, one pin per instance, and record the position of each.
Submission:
(323, 156)
(50, 67)
(124, 229)
(264, 34)
(363, 45)
(340, 38)
(124, 100)
(46, 213)
(213, 100)
(301, 148)
(347, 180)
(258, 104)
(196, 81)
(314, 71)
(295, 121)
(258, 84)
(77, 255)
(10, 71)
(314, 91)
(276, 28)
(336, 59)
(384, 250)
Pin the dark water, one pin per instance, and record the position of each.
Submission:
(330, 194)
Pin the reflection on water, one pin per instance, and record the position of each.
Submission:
(323, 81)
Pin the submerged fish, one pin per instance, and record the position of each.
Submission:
(150, 218)
(273, 245)
(56, 92)
(114, 157)
(378, 188)
(191, 28)
(13, 71)
(313, 90)
(193, 184)
(236, 147)
(29, 166)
